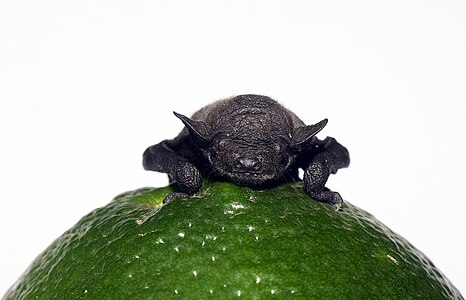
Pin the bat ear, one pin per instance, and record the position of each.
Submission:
(198, 130)
(303, 134)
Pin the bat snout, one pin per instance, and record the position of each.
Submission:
(248, 164)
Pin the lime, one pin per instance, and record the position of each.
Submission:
(230, 242)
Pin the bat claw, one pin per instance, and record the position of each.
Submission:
(338, 206)
(336, 201)
(329, 197)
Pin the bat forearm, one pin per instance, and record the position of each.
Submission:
(331, 157)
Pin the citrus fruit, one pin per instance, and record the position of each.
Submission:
(230, 242)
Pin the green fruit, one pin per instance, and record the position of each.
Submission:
(226, 242)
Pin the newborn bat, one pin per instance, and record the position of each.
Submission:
(250, 140)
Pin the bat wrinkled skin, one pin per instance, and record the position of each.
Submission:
(250, 140)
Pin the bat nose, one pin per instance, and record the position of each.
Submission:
(248, 164)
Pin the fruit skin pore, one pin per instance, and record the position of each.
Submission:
(230, 242)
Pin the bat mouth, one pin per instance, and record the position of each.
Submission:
(248, 173)
(250, 178)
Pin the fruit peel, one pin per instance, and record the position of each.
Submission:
(229, 241)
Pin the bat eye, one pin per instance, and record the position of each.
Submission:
(222, 144)
(211, 153)
(284, 160)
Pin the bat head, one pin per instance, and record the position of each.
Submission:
(251, 148)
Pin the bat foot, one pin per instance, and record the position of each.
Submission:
(329, 197)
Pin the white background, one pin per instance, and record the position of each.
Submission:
(86, 86)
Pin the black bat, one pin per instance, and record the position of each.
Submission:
(250, 140)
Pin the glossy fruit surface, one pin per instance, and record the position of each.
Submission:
(230, 242)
